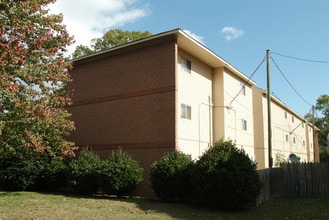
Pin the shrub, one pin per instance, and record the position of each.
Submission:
(84, 172)
(20, 167)
(54, 177)
(225, 177)
(120, 174)
(170, 177)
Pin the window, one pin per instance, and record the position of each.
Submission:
(292, 119)
(285, 115)
(294, 140)
(185, 111)
(243, 89)
(244, 124)
(186, 65)
(303, 143)
(287, 138)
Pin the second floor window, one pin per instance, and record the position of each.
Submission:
(244, 124)
(186, 65)
(243, 89)
(185, 111)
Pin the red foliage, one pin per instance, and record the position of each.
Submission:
(33, 73)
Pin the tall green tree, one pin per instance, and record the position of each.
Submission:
(110, 39)
(33, 75)
(322, 122)
(322, 104)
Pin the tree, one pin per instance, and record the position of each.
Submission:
(322, 105)
(33, 75)
(110, 39)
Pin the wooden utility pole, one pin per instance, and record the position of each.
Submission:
(313, 127)
(269, 121)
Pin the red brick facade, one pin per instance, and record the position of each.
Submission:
(126, 98)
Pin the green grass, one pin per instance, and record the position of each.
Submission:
(31, 205)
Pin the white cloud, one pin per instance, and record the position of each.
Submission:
(87, 19)
(231, 33)
(195, 36)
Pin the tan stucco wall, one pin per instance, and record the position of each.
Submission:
(218, 103)
(259, 129)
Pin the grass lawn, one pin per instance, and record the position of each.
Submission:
(31, 205)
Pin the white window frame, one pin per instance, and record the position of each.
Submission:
(186, 111)
(244, 124)
(186, 65)
(243, 89)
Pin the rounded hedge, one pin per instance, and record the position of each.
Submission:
(170, 176)
(84, 172)
(225, 177)
(54, 177)
(120, 174)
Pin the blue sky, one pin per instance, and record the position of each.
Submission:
(239, 31)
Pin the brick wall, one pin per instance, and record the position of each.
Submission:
(127, 99)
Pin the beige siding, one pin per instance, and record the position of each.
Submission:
(194, 90)
(259, 128)
(239, 110)
(290, 132)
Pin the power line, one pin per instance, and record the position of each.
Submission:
(300, 59)
(289, 82)
(259, 65)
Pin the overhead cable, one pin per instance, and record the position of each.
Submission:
(259, 65)
(300, 59)
(289, 82)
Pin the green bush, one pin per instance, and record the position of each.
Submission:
(54, 176)
(20, 168)
(225, 178)
(120, 174)
(170, 177)
(84, 172)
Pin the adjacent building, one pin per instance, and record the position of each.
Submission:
(169, 92)
(292, 135)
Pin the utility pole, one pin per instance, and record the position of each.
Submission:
(269, 121)
(313, 127)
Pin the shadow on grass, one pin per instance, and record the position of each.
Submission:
(180, 210)
(176, 210)
(151, 207)
(278, 208)
(9, 193)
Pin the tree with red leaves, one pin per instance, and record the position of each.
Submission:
(33, 73)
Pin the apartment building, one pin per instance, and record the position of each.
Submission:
(292, 136)
(169, 92)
